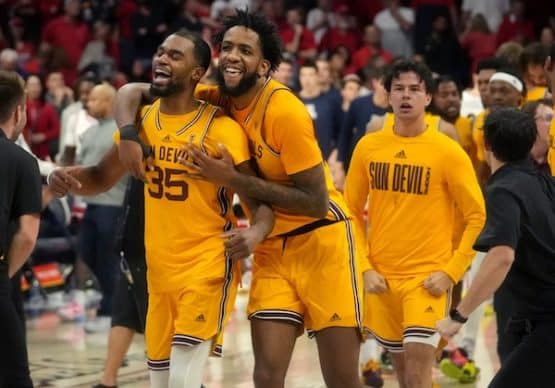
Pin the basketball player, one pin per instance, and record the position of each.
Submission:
(412, 177)
(306, 274)
(191, 271)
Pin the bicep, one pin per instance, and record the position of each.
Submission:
(311, 180)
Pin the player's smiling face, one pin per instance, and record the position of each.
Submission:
(172, 66)
(241, 61)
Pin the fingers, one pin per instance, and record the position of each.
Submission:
(237, 246)
(61, 183)
(225, 153)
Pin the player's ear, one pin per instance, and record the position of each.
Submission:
(264, 68)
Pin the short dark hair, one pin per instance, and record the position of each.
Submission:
(443, 78)
(12, 93)
(270, 42)
(535, 53)
(201, 50)
(406, 66)
(309, 63)
(493, 63)
(510, 134)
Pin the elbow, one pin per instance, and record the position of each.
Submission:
(320, 207)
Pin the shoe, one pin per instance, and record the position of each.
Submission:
(464, 374)
(385, 362)
(72, 312)
(104, 386)
(372, 374)
(99, 324)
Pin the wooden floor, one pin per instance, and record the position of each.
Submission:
(62, 355)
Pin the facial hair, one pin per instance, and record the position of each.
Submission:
(246, 83)
(171, 89)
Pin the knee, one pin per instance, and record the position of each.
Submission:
(266, 376)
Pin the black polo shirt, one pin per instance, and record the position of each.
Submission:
(20, 188)
(520, 206)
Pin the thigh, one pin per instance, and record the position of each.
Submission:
(421, 311)
(273, 342)
(338, 351)
(383, 317)
(327, 277)
(529, 365)
(159, 328)
(203, 308)
(272, 293)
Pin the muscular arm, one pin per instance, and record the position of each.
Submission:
(307, 196)
(128, 102)
(88, 180)
(449, 130)
(23, 242)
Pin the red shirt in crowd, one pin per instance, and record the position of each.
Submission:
(513, 29)
(41, 118)
(70, 36)
(335, 37)
(363, 55)
(479, 45)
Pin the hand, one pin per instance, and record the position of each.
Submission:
(37, 138)
(438, 283)
(131, 156)
(447, 328)
(219, 171)
(240, 243)
(374, 283)
(61, 182)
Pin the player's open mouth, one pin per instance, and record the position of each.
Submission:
(161, 76)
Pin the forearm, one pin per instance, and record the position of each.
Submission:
(20, 249)
(489, 278)
(128, 101)
(262, 218)
(289, 198)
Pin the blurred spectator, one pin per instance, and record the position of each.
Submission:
(297, 39)
(372, 48)
(320, 19)
(123, 12)
(101, 54)
(338, 60)
(477, 40)
(442, 51)
(349, 91)
(49, 9)
(27, 16)
(514, 26)
(188, 18)
(532, 60)
(326, 79)
(493, 10)
(43, 125)
(285, 73)
(342, 34)
(542, 112)
(74, 121)
(395, 23)
(324, 108)
(546, 36)
(57, 93)
(25, 47)
(8, 60)
(425, 12)
(510, 52)
(147, 29)
(221, 8)
(69, 35)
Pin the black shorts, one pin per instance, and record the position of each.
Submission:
(130, 300)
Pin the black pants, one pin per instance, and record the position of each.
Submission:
(507, 340)
(14, 365)
(529, 364)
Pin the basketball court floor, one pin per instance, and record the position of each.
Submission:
(63, 355)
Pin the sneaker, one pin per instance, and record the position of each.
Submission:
(464, 374)
(72, 311)
(372, 374)
(99, 324)
(385, 362)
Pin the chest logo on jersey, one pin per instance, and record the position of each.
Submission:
(255, 149)
(168, 154)
(400, 178)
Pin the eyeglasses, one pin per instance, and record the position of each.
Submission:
(547, 117)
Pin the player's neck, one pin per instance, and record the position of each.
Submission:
(409, 128)
(243, 101)
(178, 104)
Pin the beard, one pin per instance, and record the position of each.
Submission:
(166, 91)
(246, 83)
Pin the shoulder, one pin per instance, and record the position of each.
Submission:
(224, 122)
(284, 105)
(448, 129)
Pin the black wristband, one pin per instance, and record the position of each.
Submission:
(456, 316)
(131, 133)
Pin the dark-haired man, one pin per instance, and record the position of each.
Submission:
(20, 206)
(191, 278)
(519, 240)
(412, 176)
(306, 274)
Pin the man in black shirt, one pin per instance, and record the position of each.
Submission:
(20, 205)
(519, 238)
